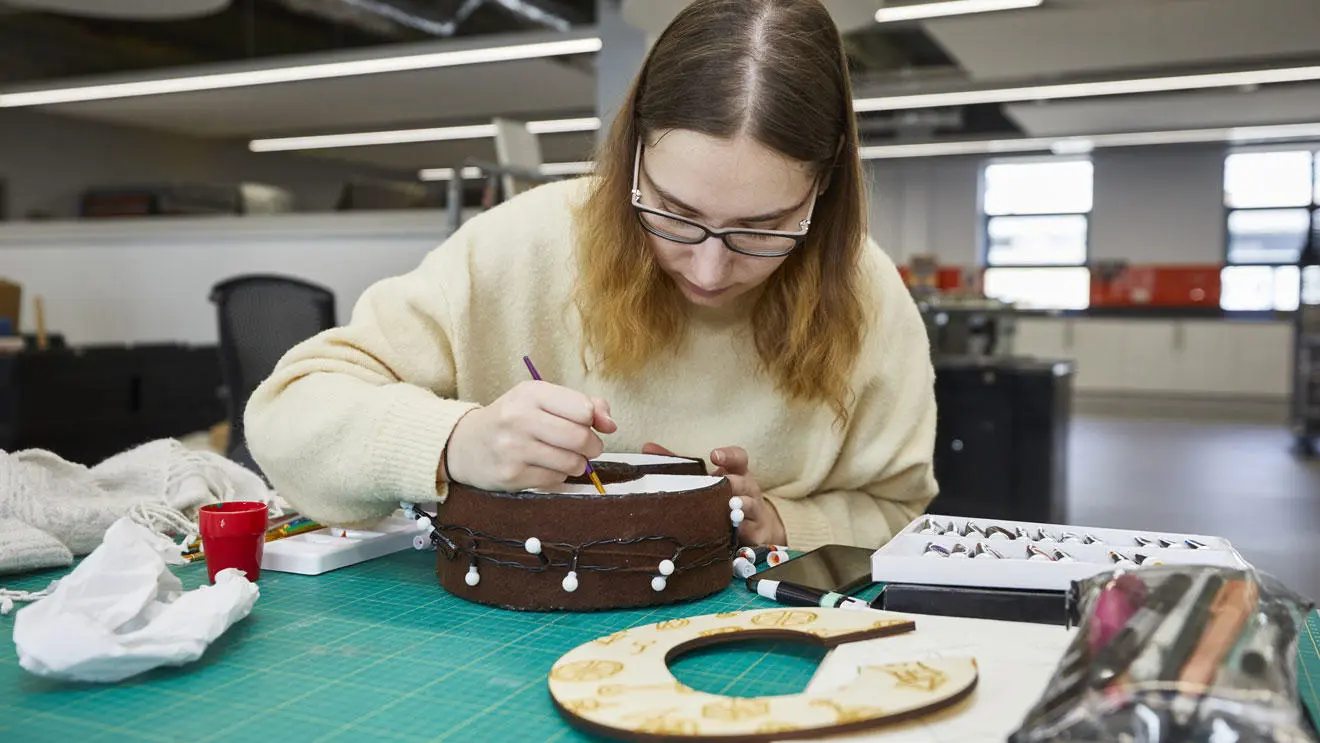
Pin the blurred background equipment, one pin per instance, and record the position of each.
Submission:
(1306, 353)
(260, 318)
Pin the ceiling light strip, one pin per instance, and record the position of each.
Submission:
(299, 73)
(1077, 144)
(919, 11)
(406, 136)
(1090, 90)
(469, 173)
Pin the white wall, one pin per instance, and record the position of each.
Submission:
(926, 205)
(1159, 205)
(140, 281)
(1152, 205)
(48, 160)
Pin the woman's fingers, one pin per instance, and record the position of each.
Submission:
(563, 463)
(730, 459)
(602, 421)
(561, 434)
(561, 401)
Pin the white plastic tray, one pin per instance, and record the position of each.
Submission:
(903, 559)
(323, 550)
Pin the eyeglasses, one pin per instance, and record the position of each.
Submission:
(757, 243)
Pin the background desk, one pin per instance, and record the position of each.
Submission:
(379, 652)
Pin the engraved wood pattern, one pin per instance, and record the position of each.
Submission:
(620, 686)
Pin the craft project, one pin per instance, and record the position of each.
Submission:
(950, 551)
(620, 686)
(663, 532)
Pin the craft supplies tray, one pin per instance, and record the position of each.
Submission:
(952, 551)
(331, 548)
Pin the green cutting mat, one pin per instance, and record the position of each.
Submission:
(379, 652)
(373, 651)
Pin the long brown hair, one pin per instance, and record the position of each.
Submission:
(775, 70)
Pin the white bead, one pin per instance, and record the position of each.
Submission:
(533, 546)
(658, 583)
(736, 516)
(473, 577)
(735, 503)
(420, 542)
(666, 567)
(424, 524)
(570, 581)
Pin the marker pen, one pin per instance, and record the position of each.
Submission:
(792, 594)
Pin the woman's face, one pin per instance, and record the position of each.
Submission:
(721, 184)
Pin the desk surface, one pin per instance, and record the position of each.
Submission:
(379, 651)
(373, 651)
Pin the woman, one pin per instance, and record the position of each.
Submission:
(711, 291)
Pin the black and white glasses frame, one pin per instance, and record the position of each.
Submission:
(729, 236)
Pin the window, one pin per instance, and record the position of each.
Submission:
(1272, 198)
(1036, 220)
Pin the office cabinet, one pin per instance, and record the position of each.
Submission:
(1001, 442)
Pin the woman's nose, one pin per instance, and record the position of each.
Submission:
(711, 263)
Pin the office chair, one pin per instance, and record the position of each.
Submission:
(261, 317)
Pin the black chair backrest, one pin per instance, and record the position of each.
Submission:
(262, 317)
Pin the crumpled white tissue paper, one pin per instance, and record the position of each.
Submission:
(121, 612)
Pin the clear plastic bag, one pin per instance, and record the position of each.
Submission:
(1177, 653)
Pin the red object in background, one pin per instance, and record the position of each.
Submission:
(234, 536)
(1155, 286)
(949, 278)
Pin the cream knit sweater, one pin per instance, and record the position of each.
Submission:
(355, 420)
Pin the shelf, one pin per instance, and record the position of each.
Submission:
(172, 230)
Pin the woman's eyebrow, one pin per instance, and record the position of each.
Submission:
(767, 217)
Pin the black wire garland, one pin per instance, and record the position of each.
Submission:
(452, 550)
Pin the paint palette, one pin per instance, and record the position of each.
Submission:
(951, 551)
(334, 547)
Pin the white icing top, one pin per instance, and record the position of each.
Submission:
(644, 484)
(640, 460)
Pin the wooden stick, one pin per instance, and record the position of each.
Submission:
(40, 303)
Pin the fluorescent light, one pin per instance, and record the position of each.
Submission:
(1089, 90)
(1072, 146)
(447, 174)
(300, 72)
(363, 139)
(1076, 145)
(557, 169)
(550, 169)
(404, 136)
(562, 126)
(891, 14)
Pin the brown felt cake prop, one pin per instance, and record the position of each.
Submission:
(663, 532)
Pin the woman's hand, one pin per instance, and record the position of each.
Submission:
(761, 523)
(535, 435)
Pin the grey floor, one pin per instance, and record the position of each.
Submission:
(1236, 480)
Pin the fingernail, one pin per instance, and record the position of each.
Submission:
(717, 457)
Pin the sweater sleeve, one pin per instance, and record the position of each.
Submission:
(884, 475)
(355, 419)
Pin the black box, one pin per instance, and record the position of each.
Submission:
(1001, 441)
(1006, 604)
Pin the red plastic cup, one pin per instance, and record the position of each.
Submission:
(234, 536)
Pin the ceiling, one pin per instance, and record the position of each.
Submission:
(1064, 40)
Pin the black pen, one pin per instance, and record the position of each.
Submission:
(793, 594)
